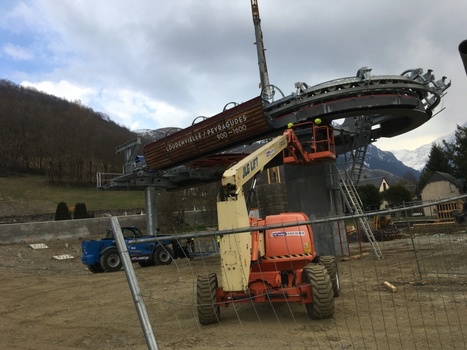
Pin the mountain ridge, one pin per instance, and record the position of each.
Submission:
(418, 157)
(379, 160)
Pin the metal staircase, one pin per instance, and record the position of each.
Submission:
(360, 143)
(354, 204)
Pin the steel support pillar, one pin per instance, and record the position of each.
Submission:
(151, 210)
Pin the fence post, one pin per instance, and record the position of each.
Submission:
(413, 246)
(133, 284)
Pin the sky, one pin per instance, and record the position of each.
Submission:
(155, 64)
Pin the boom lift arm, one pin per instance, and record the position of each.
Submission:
(231, 204)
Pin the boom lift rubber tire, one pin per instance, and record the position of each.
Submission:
(96, 268)
(329, 262)
(206, 287)
(321, 288)
(111, 261)
(163, 255)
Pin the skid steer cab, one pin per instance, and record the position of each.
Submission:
(277, 260)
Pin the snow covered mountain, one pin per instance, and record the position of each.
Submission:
(418, 157)
(387, 162)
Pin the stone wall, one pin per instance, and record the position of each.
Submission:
(271, 199)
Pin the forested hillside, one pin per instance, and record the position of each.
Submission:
(44, 134)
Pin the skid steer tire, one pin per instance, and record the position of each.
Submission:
(208, 309)
(329, 262)
(96, 268)
(321, 288)
(163, 255)
(111, 261)
(146, 263)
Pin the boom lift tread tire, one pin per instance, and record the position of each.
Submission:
(163, 255)
(206, 287)
(323, 300)
(111, 261)
(329, 262)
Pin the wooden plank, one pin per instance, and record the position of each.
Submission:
(390, 286)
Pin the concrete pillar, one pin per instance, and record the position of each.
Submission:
(151, 210)
(314, 191)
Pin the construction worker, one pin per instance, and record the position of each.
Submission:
(190, 242)
(321, 137)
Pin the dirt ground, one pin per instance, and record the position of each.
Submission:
(58, 304)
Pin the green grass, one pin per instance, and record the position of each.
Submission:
(21, 195)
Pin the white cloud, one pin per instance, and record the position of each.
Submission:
(63, 89)
(129, 108)
(137, 111)
(17, 53)
(151, 64)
